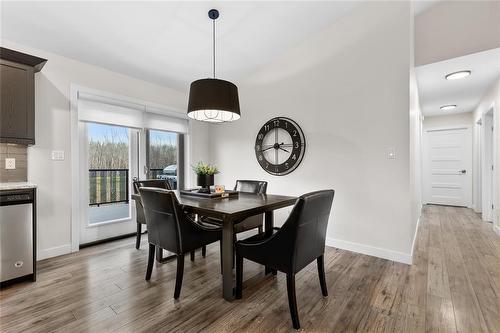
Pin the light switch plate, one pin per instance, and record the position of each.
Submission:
(58, 155)
(10, 163)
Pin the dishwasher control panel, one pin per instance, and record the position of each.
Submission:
(16, 197)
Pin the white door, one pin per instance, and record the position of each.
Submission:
(447, 167)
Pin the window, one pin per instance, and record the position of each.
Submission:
(164, 156)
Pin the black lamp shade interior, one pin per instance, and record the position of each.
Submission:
(213, 100)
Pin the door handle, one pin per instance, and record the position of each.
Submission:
(462, 172)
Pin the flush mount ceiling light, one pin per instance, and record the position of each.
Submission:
(458, 75)
(213, 100)
(448, 107)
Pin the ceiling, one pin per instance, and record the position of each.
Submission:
(435, 91)
(169, 43)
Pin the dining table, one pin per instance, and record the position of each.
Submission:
(231, 210)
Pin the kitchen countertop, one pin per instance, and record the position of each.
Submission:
(16, 186)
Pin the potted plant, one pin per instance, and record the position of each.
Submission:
(205, 175)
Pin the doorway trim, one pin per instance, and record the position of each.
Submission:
(75, 90)
(488, 193)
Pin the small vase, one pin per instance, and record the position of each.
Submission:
(205, 181)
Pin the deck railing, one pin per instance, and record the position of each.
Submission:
(108, 186)
(154, 173)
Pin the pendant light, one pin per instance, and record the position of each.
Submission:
(212, 99)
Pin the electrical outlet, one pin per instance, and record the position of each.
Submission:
(10, 163)
(58, 155)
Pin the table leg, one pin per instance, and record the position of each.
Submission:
(269, 224)
(227, 259)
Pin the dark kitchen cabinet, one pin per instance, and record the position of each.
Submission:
(17, 93)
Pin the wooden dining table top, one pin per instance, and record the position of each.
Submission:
(244, 204)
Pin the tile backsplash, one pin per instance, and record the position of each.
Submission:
(20, 153)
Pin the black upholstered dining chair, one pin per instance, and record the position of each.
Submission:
(157, 183)
(252, 222)
(172, 229)
(289, 249)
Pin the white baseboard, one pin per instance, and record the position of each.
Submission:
(53, 252)
(401, 257)
(497, 229)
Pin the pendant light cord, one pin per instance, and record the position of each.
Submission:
(213, 38)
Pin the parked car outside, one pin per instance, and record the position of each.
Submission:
(170, 174)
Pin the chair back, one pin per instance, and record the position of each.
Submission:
(163, 213)
(158, 183)
(251, 186)
(305, 228)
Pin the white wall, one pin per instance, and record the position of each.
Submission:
(52, 106)
(348, 88)
(491, 98)
(452, 29)
(452, 120)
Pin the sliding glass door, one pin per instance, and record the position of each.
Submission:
(111, 155)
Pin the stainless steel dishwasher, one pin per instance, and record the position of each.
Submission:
(17, 235)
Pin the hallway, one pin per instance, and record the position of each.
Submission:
(457, 262)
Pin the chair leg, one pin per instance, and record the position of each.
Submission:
(178, 275)
(151, 260)
(239, 277)
(321, 274)
(192, 255)
(204, 251)
(292, 300)
(138, 237)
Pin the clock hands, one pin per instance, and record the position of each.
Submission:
(268, 148)
(278, 146)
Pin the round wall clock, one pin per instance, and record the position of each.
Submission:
(280, 146)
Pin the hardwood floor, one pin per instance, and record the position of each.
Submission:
(453, 286)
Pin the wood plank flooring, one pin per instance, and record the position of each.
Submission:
(452, 286)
